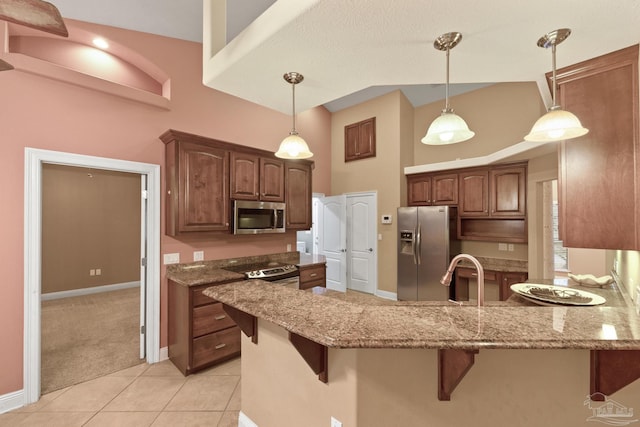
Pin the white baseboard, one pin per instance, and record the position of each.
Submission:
(88, 291)
(244, 421)
(164, 354)
(11, 401)
(387, 295)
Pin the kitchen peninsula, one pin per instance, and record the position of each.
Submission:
(392, 363)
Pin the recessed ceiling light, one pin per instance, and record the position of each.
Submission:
(100, 42)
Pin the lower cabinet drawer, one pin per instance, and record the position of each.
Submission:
(468, 273)
(312, 273)
(210, 348)
(210, 318)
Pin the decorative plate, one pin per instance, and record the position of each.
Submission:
(556, 294)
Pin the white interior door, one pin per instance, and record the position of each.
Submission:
(332, 239)
(362, 243)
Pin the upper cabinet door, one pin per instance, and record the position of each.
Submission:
(599, 177)
(256, 178)
(508, 191)
(360, 140)
(203, 201)
(245, 176)
(419, 190)
(444, 189)
(474, 192)
(298, 192)
(271, 180)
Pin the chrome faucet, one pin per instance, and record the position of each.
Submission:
(446, 279)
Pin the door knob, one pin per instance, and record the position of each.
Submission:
(370, 249)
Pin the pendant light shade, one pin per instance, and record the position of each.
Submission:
(557, 124)
(293, 146)
(449, 128)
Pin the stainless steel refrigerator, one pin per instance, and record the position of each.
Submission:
(426, 243)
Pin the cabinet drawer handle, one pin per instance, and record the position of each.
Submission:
(474, 274)
(219, 346)
(220, 317)
(313, 274)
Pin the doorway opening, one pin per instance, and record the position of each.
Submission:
(347, 236)
(556, 256)
(90, 287)
(149, 253)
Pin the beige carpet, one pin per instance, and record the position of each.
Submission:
(89, 336)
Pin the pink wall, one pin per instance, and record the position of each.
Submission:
(42, 113)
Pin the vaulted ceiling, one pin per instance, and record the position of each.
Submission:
(357, 48)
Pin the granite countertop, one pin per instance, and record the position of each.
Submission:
(354, 320)
(212, 272)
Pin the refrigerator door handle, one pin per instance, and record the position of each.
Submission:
(417, 248)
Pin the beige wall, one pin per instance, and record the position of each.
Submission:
(90, 220)
(398, 387)
(628, 268)
(382, 173)
(500, 115)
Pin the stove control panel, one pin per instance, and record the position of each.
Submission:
(271, 272)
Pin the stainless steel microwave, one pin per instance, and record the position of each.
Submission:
(251, 217)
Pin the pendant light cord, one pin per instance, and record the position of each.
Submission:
(293, 91)
(553, 74)
(446, 92)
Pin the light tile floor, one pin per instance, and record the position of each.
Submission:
(155, 395)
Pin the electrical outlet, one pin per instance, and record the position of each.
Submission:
(288, 247)
(98, 272)
(511, 248)
(171, 259)
(335, 423)
(92, 272)
(198, 255)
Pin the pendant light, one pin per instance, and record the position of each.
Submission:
(449, 128)
(293, 146)
(557, 124)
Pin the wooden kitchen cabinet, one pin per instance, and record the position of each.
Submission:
(197, 179)
(432, 189)
(504, 279)
(507, 279)
(201, 333)
(474, 193)
(256, 178)
(507, 191)
(298, 195)
(360, 140)
(599, 177)
(312, 275)
(493, 204)
(204, 175)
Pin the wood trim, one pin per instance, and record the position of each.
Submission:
(612, 370)
(313, 353)
(453, 365)
(247, 322)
